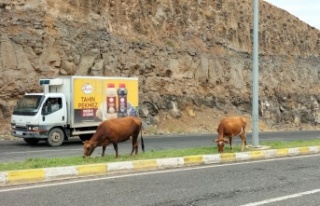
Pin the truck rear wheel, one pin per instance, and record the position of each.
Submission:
(31, 141)
(55, 138)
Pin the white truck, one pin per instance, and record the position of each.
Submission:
(73, 106)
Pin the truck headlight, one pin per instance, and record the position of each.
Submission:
(30, 128)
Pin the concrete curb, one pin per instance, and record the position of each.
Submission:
(68, 172)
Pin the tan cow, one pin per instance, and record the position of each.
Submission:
(230, 127)
(114, 131)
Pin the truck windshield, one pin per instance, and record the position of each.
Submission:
(28, 105)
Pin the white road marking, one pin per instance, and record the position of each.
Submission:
(283, 198)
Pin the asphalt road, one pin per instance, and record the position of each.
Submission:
(287, 181)
(18, 150)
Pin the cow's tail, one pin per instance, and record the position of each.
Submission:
(142, 143)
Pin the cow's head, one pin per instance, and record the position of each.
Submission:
(220, 144)
(88, 148)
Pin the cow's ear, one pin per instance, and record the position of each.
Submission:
(85, 141)
(216, 140)
(226, 141)
(95, 144)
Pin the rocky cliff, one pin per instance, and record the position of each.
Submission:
(191, 57)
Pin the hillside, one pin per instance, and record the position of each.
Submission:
(193, 58)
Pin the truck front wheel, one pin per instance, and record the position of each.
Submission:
(55, 138)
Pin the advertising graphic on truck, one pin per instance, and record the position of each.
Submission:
(91, 106)
(73, 106)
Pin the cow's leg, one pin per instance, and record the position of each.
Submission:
(243, 139)
(230, 142)
(115, 146)
(103, 150)
(134, 145)
(242, 143)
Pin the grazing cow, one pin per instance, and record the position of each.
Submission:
(230, 127)
(114, 131)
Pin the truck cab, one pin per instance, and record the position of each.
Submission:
(40, 116)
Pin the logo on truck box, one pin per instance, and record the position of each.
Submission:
(87, 88)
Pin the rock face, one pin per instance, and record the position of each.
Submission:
(187, 54)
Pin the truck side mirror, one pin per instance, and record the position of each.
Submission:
(46, 110)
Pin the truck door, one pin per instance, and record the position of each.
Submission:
(54, 112)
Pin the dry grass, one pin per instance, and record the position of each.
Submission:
(204, 121)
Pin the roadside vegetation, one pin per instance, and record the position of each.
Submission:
(78, 160)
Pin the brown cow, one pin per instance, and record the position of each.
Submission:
(114, 131)
(230, 127)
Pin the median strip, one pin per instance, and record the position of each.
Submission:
(59, 173)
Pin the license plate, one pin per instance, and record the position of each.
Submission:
(19, 133)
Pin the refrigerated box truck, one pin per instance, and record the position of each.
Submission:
(73, 106)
